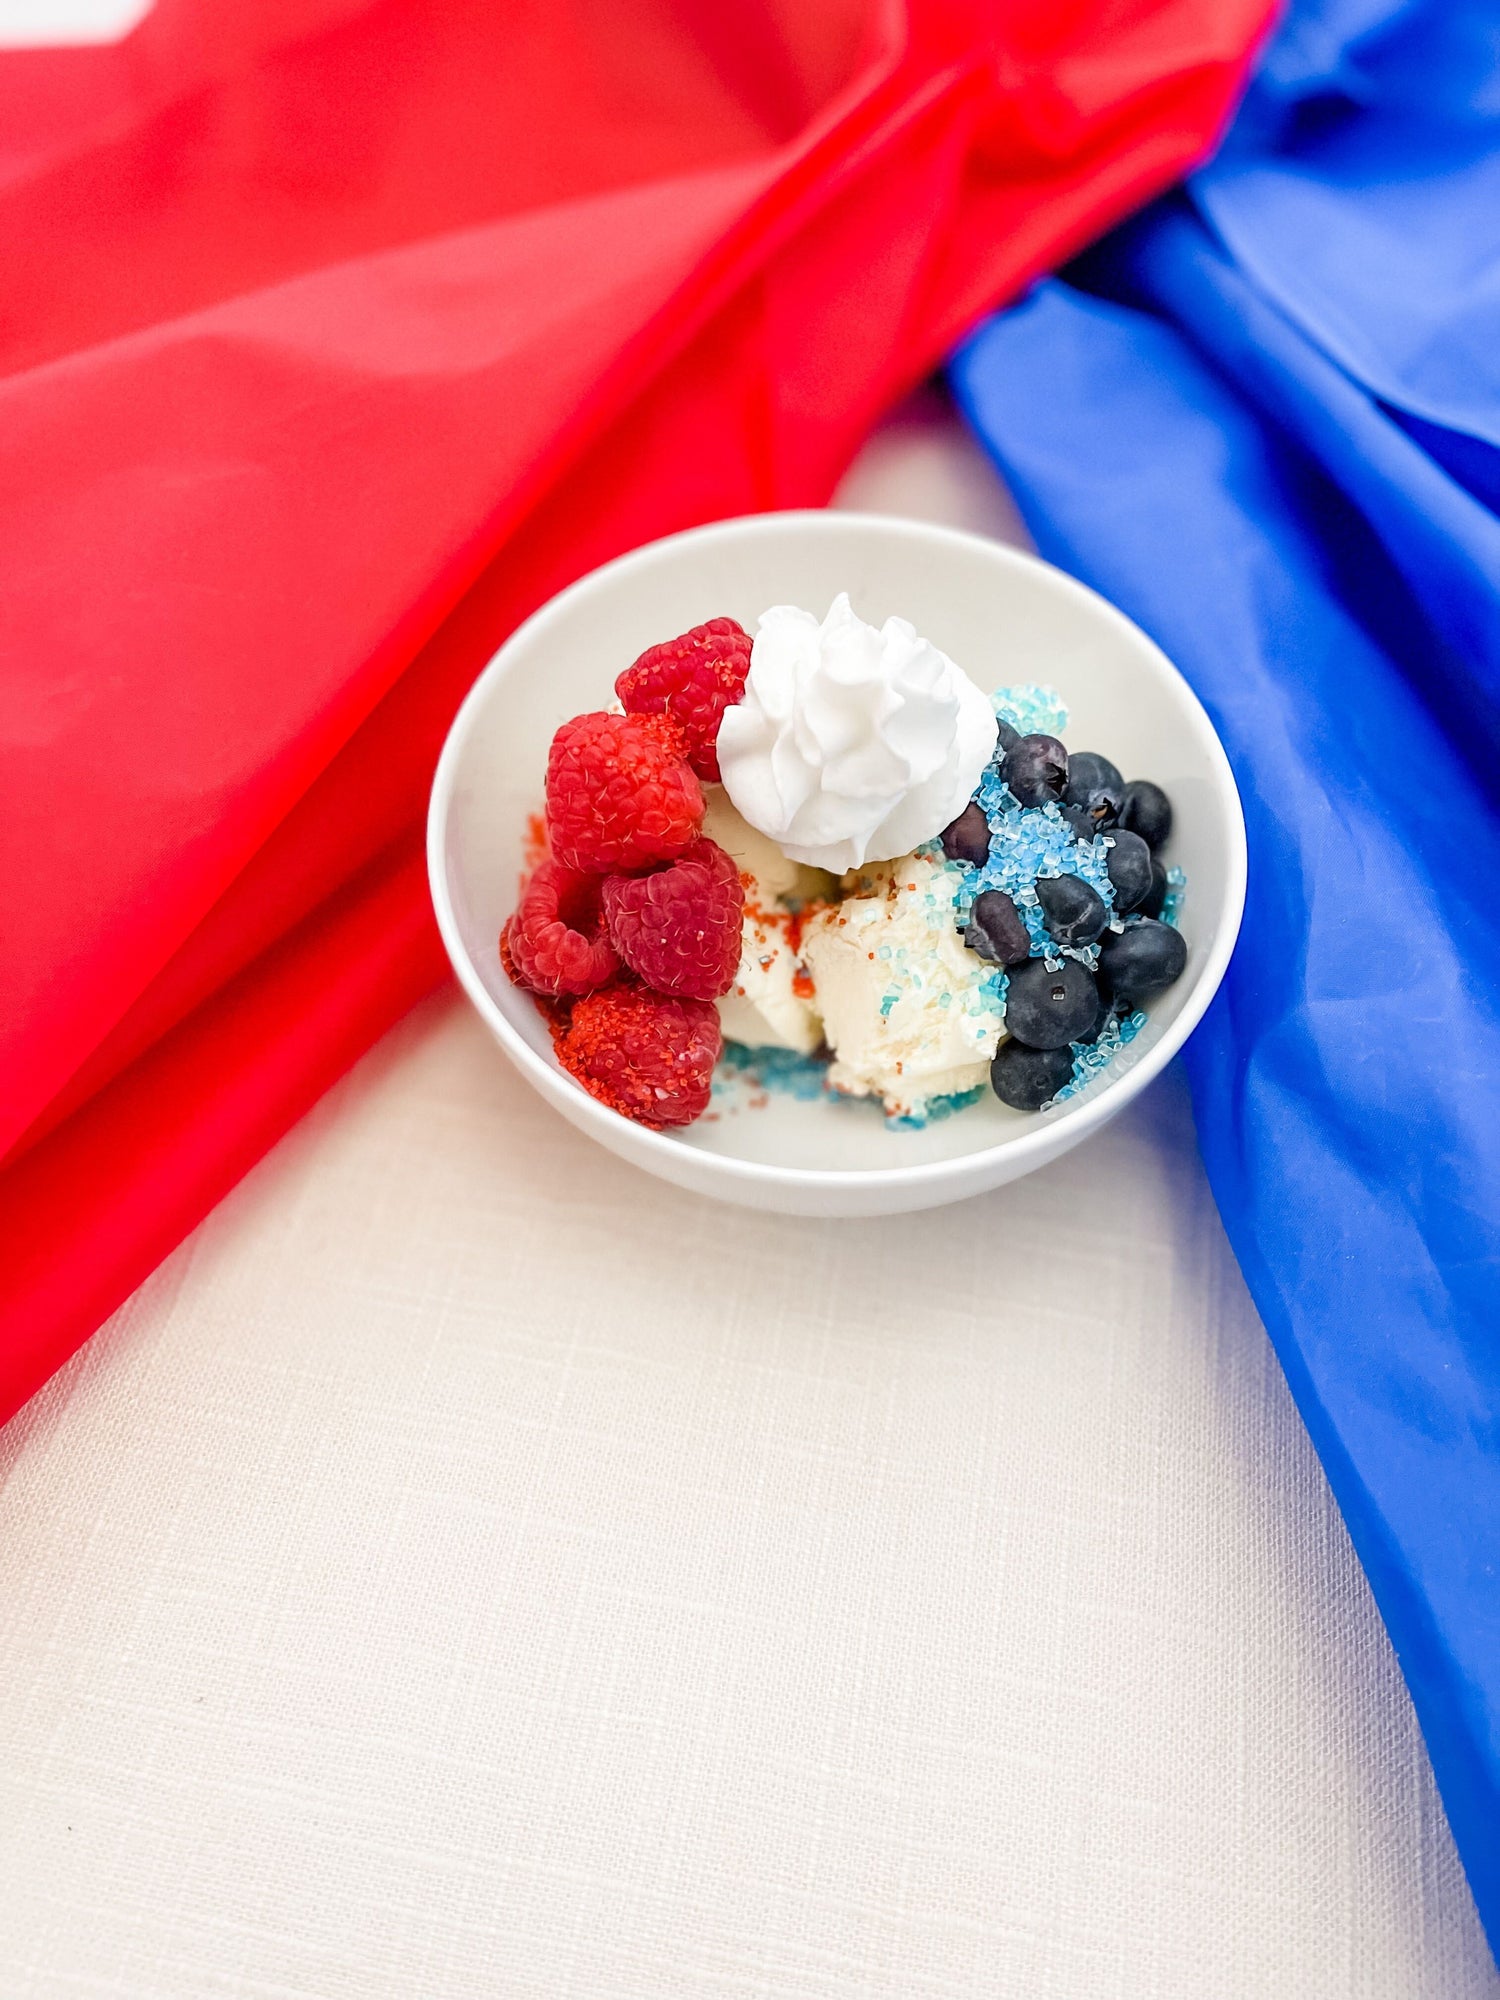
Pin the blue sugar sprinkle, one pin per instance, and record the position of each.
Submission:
(1171, 908)
(1089, 1059)
(993, 988)
(1034, 711)
(786, 1071)
(937, 1108)
(805, 1079)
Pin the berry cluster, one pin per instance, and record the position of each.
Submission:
(1057, 1002)
(630, 929)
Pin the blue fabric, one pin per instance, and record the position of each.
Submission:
(1265, 420)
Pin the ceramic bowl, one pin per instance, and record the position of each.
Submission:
(1004, 617)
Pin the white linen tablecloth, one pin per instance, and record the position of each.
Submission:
(471, 1568)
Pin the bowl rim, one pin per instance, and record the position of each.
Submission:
(1035, 1147)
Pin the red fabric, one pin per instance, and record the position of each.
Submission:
(336, 337)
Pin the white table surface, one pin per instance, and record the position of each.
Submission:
(469, 1568)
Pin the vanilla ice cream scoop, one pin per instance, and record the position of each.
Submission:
(910, 1014)
(851, 744)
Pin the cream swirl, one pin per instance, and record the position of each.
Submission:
(852, 744)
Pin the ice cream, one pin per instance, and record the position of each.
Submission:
(910, 1014)
(851, 744)
(770, 1004)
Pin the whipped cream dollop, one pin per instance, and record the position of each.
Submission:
(852, 744)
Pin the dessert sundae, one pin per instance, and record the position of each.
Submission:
(824, 858)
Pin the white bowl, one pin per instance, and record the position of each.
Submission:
(1005, 617)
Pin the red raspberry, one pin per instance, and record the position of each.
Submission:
(693, 679)
(556, 941)
(679, 929)
(619, 795)
(507, 956)
(644, 1054)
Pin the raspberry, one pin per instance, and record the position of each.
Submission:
(679, 929)
(556, 941)
(619, 795)
(646, 1055)
(693, 679)
(507, 956)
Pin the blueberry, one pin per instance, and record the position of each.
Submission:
(1146, 810)
(1036, 769)
(1097, 814)
(1074, 911)
(1154, 900)
(1130, 868)
(1026, 1079)
(968, 838)
(1089, 772)
(1141, 960)
(1006, 738)
(1047, 1010)
(997, 930)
